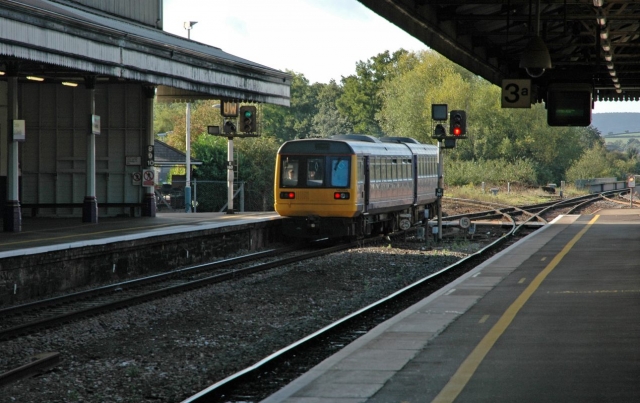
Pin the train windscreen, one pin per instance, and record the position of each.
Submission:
(313, 171)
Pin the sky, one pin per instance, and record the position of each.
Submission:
(322, 39)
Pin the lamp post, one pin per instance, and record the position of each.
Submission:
(187, 186)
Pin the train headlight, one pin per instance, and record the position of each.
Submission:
(341, 195)
(287, 195)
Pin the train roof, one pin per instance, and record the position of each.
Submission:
(354, 144)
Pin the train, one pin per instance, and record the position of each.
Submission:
(353, 185)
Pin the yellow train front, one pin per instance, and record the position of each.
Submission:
(354, 185)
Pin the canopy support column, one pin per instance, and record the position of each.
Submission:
(12, 213)
(90, 204)
(149, 203)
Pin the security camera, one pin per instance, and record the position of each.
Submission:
(535, 59)
(535, 72)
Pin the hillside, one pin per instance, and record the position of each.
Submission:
(614, 123)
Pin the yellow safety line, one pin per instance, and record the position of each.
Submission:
(462, 376)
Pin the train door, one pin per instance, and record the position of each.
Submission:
(415, 171)
(367, 184)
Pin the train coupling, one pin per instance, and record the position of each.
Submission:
(313, 222)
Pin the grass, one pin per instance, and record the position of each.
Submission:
(516, 195)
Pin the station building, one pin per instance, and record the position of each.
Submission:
(78, 81)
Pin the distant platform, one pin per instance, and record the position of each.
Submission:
(60, 255)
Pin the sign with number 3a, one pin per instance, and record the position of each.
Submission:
(516, 93)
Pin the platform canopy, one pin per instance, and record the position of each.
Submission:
(587, 41)
(65, 42)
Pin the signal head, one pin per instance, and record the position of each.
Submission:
(248, 122)
(458, 123)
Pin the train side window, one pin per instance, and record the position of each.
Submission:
(394, 169)
(340, 172)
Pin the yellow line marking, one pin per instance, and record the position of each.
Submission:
(483, 319)
(522, 280)
(466, 370)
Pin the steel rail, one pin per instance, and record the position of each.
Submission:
(530, 209)
(56, 320)
(221, 388)
(488, 215)
(68, 298)
(39, 363)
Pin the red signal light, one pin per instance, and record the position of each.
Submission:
(457, 131)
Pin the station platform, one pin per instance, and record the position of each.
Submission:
(61, 255)
(553, 318)
(49, 234)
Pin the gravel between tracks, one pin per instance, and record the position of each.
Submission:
(167, 350)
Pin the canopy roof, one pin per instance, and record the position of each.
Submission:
(66, 42)
(589, 41)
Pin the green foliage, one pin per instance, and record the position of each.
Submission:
(257, 159)
(328, 121)
(510, 135)
(598, 163)
(165, 116)
(495, 172)
(203, 114)
(392, 94)
(297, 120)
(256, 168)
(593, 164)
(361, 98)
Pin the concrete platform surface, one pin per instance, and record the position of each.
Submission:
(48, 234)
(553, 318)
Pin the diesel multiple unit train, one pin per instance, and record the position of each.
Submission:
(354, 185)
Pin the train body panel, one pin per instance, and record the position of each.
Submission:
(353, 185)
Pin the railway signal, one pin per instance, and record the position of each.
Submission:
(458, 124)
(229, 127)
(248, 119)
(439, 132)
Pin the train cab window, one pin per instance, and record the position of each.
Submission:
(339, 172)
(315, 170)
(289, 173)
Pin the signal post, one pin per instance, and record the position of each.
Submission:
(457, 130)
(247, 123)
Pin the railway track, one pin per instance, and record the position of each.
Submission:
(180, 281)
(272, 373)
(27, 318)
(535, 212)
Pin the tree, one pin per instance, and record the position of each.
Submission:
(329, 121)
(165, 115)
(203, 114)
(361, 99)
(296, 121)
(422, 80)
(256, 166)
(255, 158)
(594, 163)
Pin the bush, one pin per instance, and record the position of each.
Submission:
(498, 172)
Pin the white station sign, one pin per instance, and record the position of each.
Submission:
(516, 93)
